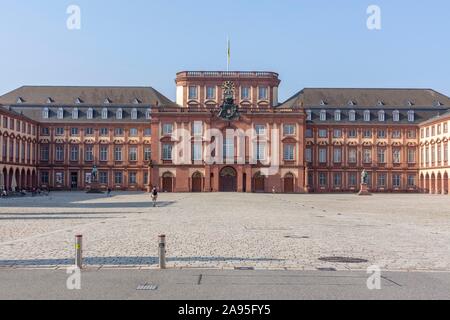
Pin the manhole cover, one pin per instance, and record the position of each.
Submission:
(147, 287)
(343, 260)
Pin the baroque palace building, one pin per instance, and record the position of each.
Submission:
(226, 131)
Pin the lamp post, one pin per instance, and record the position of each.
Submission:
(150, 168)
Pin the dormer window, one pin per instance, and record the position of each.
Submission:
(50, 101)
(104, 113)
(352, 116)
(308, 115)
(107, 101)
(367, 115)
(90, 113)
(119, 114)
(148, 114)
(45, 113)
(380, 103)
(137, 101)
(323, 115)
(60, 113)
(20, 100)
(381, 116)
(78, 101)
(75, 114)
(351, 103)
(396, 116)
(437, 104)
(134, 114)
(409, 103)
(337, 115)
(323, 103)
(411, 116)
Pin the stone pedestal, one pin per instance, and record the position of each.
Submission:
(94, 188)
(364, 190)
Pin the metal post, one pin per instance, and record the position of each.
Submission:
(162, 252)
(79, 251)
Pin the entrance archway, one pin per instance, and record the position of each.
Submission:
(427, 184)
(433, 183)
(259, 182)
(446, 183)
(228, 180)
(289, 183)
(439, 184)
(167, 182)
(197, 182)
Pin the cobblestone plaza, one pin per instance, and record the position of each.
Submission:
(228, 230)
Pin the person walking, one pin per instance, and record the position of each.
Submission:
(154, 196)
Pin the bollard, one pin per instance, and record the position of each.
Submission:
(162, 252)
(79, 251)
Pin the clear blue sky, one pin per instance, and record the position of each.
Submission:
(145, 42)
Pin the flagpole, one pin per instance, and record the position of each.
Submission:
(228, 53)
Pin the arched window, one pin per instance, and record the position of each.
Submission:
(381, 116)
(60, 113)
(119, 114)
(337, 115)
(134, 114)
(367, 115)
(352, 115)
(104, 113)
(396, 116)
(45, 113)
(323, 115)
(90, 113)
(75, 113)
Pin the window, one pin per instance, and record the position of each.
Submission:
(104, 113)
(118, 177)
(132, 154)
(411, 180)
(44, 178)
(119, 114)
(148, 132)
(396, 156)
(167, 152)
(147, 154)
(396, 116)
(260, 130)
(59, 153)
(308, 155)
(104, 132)
(197, 153)
(381, 155)
(289, 129)
(445, 127)
(118, 132)
(60, 113)
(309, 133)
(323, 133)
(381, 180)
(103, 153)
(103, 177)
(352, 115)
(396, 180)
(89, 154)
(352, 133)
(322, 179)
(245, 93)
(381, 134)
(118, 154)
(75, 114)
(289, 152)
(228, 149)
(337, 179)
(260, 152)
(74, 154)
(337, 155)
(148, 114)
(396, 134)
(89, 131)
(352, 179)
(210, 93)
(90, 114)
(337, 133)
(439, 129)
(322, 155)
(411, 116)
(167, 129)
(337, 115)
(308, 115)
(59, 131)
(352, 155)
(323, 115)
(262, 93)
(132, 177)
(197, 128)
(134, 114)
(134, 132)
(367, 116)
(367, 155)
(44, 152)
(446, 152)
(192, 92)
(428, 132)
(74, 132)
(439, 154)
(367, 134)
(381, 116)
(45, 114)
